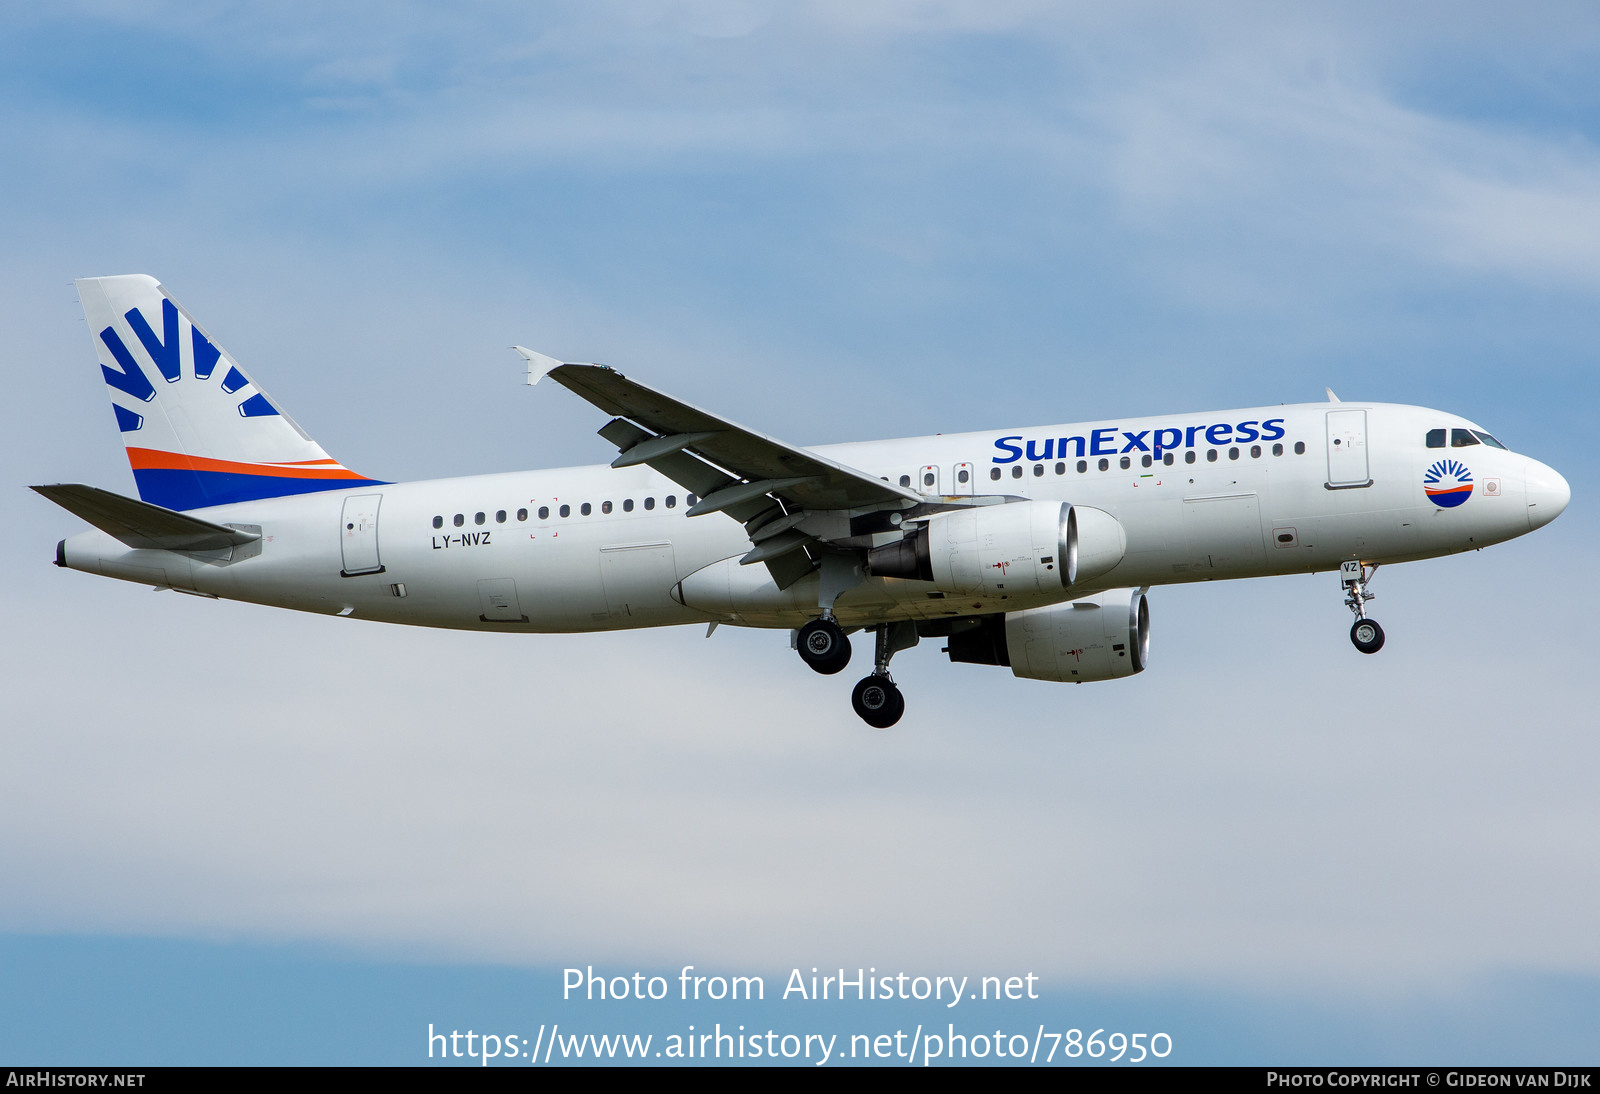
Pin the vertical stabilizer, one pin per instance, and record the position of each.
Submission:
(199, 431)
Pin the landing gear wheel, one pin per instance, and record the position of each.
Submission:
(824, 646)
(878, 701)
(1367, 635)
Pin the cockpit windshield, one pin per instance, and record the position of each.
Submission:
(1460, 438)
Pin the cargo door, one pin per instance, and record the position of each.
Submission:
(1224, 534)
(638, 579)
(358, 535)
(498, 598)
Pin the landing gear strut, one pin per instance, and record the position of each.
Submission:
(876, 699)
(1365, 633)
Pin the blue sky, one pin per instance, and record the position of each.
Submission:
(830, 222)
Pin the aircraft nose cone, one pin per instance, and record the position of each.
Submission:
(1547, 492)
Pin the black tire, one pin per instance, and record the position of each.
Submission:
(824, 647)
(878, 702)
(1366, 635)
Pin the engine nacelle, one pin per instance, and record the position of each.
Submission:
(1101, 637)
(1020, 548)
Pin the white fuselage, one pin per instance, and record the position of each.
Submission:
(494, 552)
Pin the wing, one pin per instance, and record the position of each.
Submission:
(792, 502)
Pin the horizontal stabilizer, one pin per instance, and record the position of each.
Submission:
(142, 525)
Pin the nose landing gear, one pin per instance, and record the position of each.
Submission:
(1365, 633)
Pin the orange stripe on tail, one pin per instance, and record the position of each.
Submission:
(150, 459)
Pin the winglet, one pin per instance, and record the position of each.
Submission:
(538, 364)
(1332, 398)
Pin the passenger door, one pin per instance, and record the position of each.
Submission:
(1347, 449)
(358, 535)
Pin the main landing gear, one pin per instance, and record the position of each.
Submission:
(823, 645)
(877, 701)
(1365, 633)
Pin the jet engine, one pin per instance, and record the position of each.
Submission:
(1100, 637)
(1018, 548)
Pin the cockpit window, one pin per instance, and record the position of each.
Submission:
(1436, 438)
(1488, 440)
(1462, 438)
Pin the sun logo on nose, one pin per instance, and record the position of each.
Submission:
(1447, 483)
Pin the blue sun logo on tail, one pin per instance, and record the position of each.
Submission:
(1447, 483)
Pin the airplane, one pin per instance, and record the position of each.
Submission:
(699, 520)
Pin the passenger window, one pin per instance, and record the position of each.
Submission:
(1144, 461)
(438, 522)
(584, 509)
(1233, 453)
(649, 503)
(963, 476)
(627, 505)
(1462, 438)
(1255, 452)
(690, 500)
(1299, 448)
(994, 473)
(1016, 472)
(500, 516)
(1211, 455)
(1083, 465)
(478, 518)
(1038, 470)
(1167, 458)
(460, 520)
(1061, 469)
(927, 478)
(605, 507)
(1277, 450)
(1435, 438)
(1126, 462)
(905, 480)
(1105, 465)
(544, 512)
(522, 514)
(672, 501)
(565, 510)
(1188, 457)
